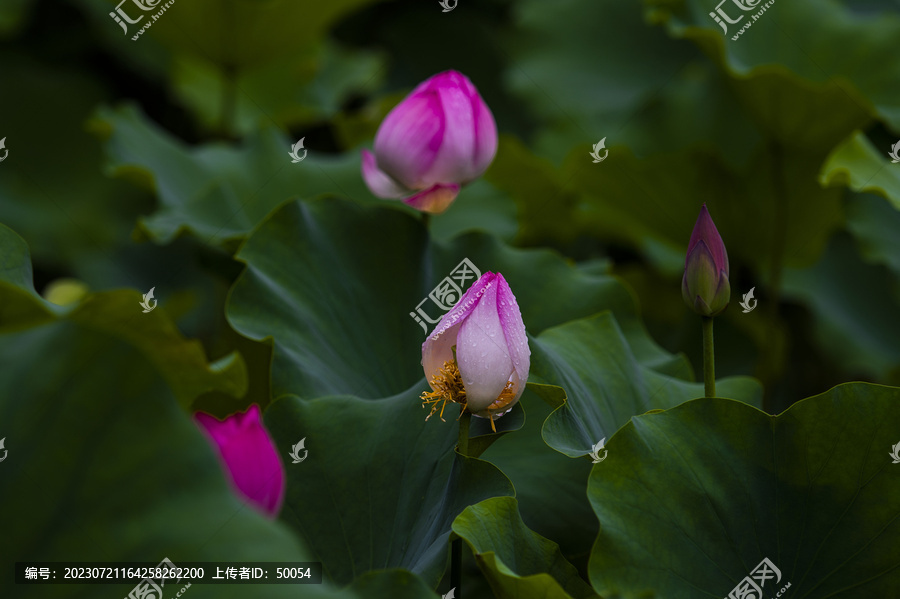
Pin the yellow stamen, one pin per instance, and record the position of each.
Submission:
(504, 399)
(449, 387)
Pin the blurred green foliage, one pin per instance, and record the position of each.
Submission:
(162, 162)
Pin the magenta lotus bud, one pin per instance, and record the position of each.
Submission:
(705, 285)
(249, 457)
(440, 137)
(478, 354)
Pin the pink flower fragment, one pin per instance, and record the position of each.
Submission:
(249, 456)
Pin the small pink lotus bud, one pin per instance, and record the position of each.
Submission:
(248, 456)
(705, 285)
(440, 137)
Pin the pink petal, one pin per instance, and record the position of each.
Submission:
(470, 134)
(449, 78)
(379, 182)
(705, 229)
(249, 457)
(513, 330)
(485, 137)
(435, 199)
(481, 353)
(409, 138)
(437, 348)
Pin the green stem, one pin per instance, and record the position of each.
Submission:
(465, 419)
(709, 358)
(456, 566)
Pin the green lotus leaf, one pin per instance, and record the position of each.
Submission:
(380, 486)
(855, 308)
(257, 32)
(874, 224)
(181, 362)
(516, 561)
(295, 89)
(804, 38)
(549, 485)
(101, 464)
(217, 192)
(858, 164)
(651, 204)
(596, 384)
(693, 499)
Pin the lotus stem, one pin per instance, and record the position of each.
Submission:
(709, 358)
(456, 566)
(465, 419)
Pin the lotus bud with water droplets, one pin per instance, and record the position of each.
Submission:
(478, 354)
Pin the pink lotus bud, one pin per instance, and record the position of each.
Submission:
(249, 457)
(489, 369)
(440, 137)
(705, 285)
